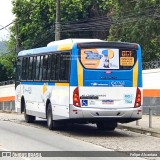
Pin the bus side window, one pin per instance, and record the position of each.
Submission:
(67, 66)
(30, 68)
(41, 68)
(53, 65)
(45, 67)
(27, 68)
(57, 65)
(49, 68)
(24, 62)
(34, 68)
(64, 67)
(37, 67)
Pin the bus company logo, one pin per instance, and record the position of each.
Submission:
(94, 84)
(99, 84)
(117, 83)
(29, 90)
(84, 102)
(108, 101)
(93, 55)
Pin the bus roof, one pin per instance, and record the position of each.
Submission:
(60, 45)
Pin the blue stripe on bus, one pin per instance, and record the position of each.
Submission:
(38, 83)
(74, 72)
(139, 55)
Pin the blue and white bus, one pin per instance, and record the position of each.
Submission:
(80, 81)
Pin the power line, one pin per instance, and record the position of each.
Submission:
(7, 25)
(17, 19)
(100, 24)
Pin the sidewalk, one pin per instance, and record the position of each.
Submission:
(143, 126)
(9, 116)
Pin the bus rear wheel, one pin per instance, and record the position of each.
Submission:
(28, 118)
(105, 126)
(50, 122)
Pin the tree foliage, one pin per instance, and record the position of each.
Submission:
(7, 67)
(7, 60)
(138, 21)
(135, 21)
(36, 19)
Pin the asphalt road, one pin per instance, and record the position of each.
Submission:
(20, 137)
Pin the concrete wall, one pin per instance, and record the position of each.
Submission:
(151, 79)
(151, 91)
(7, 97)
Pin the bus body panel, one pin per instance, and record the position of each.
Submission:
(108, 93)
(36, 95)
(105, 94)
(18, 98)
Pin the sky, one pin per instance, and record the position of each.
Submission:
(6, 17)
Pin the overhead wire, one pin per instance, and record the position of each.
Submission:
(99, 24)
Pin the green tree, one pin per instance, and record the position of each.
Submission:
(3, 75)
(138, 21)
(36, 19)
(7, 61)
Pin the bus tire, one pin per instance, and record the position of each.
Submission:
(50, 122)
(28, 118)
(107, 127)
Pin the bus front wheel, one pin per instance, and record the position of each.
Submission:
(50, 122)
(106, 126)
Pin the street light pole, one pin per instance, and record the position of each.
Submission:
(57, 23)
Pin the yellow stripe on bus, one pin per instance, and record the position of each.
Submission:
(80, 73)
(135, 75)
(61, 84)
(63, 47)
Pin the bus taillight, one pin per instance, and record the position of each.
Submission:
(76, 99)
(138, 98)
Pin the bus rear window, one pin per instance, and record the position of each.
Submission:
(103, 58)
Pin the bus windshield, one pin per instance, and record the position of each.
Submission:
(107, 58)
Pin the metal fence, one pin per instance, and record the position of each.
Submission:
(7, 82)
(7, 106)
(151, 65)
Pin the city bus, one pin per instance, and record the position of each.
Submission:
(80, 81)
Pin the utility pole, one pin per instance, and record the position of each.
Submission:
(17, 37)
(57, 23)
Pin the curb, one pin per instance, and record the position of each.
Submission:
(8, 112)
(146, 131)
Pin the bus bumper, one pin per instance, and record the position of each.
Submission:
(122, 115)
